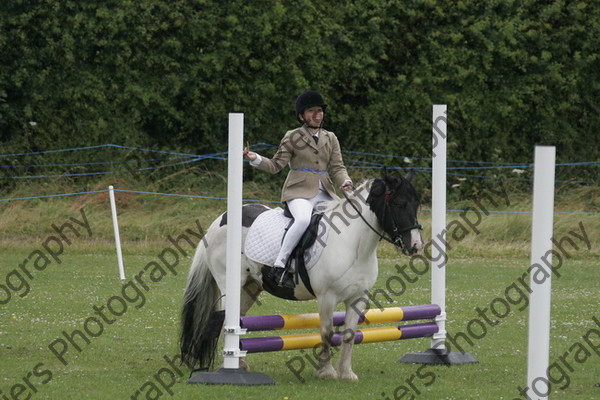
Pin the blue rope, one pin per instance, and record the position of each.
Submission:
(54, 151)
(503, 164)
(270, 201)
(261, 146)
(264, 145)
(63, 175)
(53, 195)
(317, 171)
(193, 196)
(97, 147)
(110, 172)
(82, 164)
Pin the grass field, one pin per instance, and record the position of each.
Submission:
(57, 310)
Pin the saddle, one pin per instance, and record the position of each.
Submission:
(264, 241)
(297, 258)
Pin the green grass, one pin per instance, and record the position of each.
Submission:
(128, 353)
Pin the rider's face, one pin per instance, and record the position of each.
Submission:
(313, 116)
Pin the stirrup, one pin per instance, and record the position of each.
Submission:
(283, 278)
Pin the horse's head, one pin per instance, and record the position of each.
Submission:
(395, 202)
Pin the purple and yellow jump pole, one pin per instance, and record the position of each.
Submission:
(312, 340)
(304, 321)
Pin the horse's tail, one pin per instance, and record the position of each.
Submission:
(201, 326)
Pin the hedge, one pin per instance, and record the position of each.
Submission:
(164, 74)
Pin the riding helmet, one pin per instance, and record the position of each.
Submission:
(307, 99)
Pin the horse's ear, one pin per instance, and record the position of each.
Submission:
(410, 175)
(388, 178)
(384, 174)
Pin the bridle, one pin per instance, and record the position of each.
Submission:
(396, 240)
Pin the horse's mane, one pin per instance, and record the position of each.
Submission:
(332, 205)
(363, 191)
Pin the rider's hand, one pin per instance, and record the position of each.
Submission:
(249, 155)
(347, 186)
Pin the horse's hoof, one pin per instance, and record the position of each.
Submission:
(348, 376)
(244, 365)
(327, 373)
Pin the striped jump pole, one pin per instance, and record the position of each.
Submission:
(307, 341)
(304, 321)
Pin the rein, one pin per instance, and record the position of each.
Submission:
(398, 243)
(388, 197)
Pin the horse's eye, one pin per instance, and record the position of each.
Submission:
(401, 204)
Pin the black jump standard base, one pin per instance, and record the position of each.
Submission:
(232, 376)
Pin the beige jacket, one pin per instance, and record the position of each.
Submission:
(309, 163)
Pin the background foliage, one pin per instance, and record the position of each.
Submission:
(164, 74)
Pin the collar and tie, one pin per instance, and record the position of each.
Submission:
(315, 136)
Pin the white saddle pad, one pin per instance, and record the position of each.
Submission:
(263, 241)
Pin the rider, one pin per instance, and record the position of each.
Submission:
(308, 150)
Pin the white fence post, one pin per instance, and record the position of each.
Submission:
(231, 373)
(231, 347)
(541, 248)
(438, 222)
(438, 353)
(113, 208)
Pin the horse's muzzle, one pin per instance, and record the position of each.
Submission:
(416, 243)
(414, 251)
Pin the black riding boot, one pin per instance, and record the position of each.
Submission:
(283, 277)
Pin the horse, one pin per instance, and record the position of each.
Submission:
(344, 273)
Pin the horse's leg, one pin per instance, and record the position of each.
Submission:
(350, 323)
(326, 306)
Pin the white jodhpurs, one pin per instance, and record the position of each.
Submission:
(301, 210)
